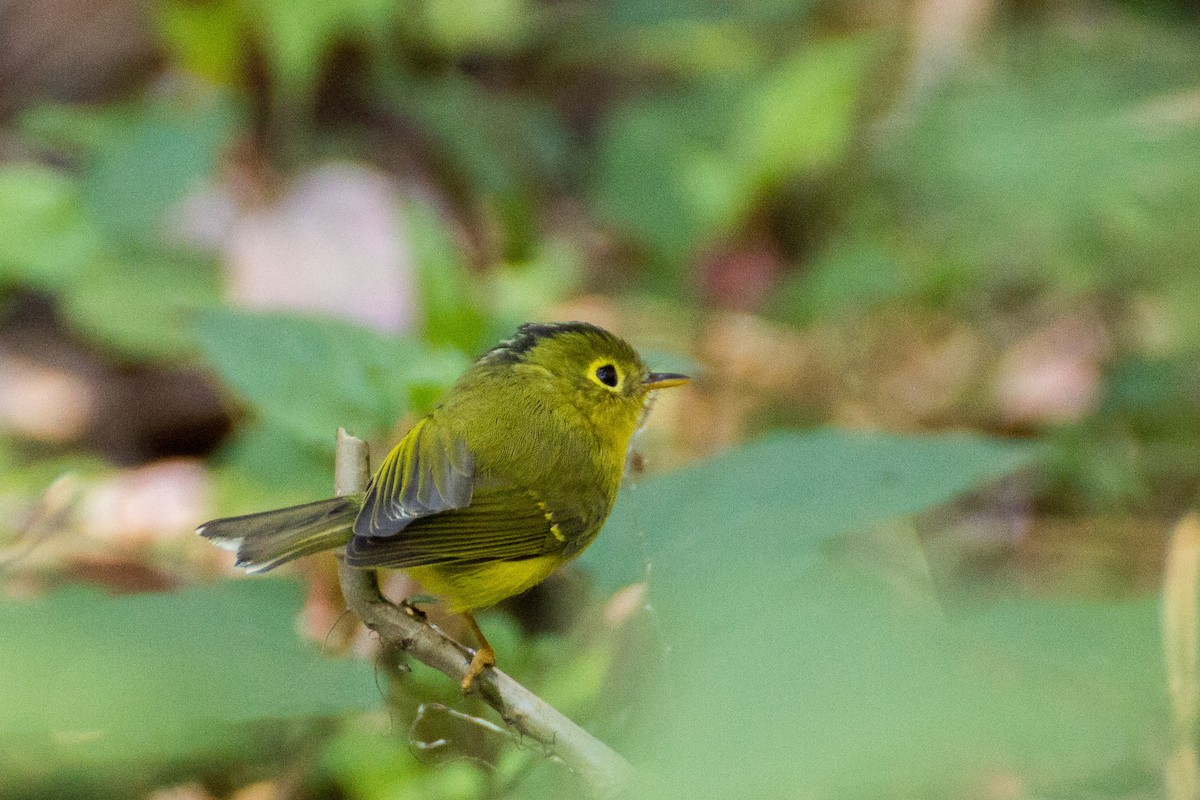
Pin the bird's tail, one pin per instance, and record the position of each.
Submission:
(264, 541)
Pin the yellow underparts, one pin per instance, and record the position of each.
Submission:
(474, 586)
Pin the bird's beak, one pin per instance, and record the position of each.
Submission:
(665, 380)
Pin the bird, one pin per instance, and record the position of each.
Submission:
(511, 476)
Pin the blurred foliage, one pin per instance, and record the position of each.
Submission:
(867, 180)
(788, 653)
(128, 686)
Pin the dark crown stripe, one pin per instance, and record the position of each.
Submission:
(531, 333)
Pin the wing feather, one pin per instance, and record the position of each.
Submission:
(426, 473)
(501, 524)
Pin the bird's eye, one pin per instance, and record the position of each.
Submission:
(607, 374)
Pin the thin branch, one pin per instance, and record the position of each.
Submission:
(523, 711)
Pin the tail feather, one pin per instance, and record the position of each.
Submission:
(265, 540)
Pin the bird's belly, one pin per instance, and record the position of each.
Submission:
(472, 586)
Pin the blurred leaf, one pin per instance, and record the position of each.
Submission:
(663, 173)
(449, 304)
(830, 677)
(298, 35)
(46, 239)
(473, 27)
(496, 144)
(680, 169)
(142, 305)
(786, 494)
(265, 467)
(91, 679)
(1083, 126)
(310, 376)
(150, 160)
(801, 116)
(648, 14)
(78, 128)
(822, 679)
(520, 292)
(851, 275)
(204, 37)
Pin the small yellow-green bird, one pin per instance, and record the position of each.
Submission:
(510, 477)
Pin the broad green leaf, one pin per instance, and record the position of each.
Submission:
(787, 493)
(801, 116)
(633, 14)
(680, 169)
(94, 679)
(310, 376)
(785, 662)
(498, 145)
(265, 467)
(142, 305)
(204, 38)
(150, 160)
(472, 27)
(1075, 126)
(46, 238)
(821, 678)
(849, 276)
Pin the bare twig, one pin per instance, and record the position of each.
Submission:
(523, 711)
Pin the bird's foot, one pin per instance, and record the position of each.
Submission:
(484, 657)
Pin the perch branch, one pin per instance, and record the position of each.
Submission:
(533, 718)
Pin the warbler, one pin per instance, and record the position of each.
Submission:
(511, 476)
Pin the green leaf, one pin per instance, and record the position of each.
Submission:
(150, 160)
(801, 116)
(204, 38)
(46, 239)
(787, 493)
(263, 467)
(664, 174)
(497, 145)
(142, 304)
(472, 27)
(94, 679)
(788, 661)
(852, 275)
(310, 376)
(1077, 124)
(823, 679)
(298, 35)
(452, 315)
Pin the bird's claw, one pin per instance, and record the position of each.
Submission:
(484, 657)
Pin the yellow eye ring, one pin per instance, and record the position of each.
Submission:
(604, 372)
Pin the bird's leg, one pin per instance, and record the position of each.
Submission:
(484, 656)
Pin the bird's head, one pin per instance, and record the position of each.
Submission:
(583, 365)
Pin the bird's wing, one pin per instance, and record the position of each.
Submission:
(503, 523)
(428, 472)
